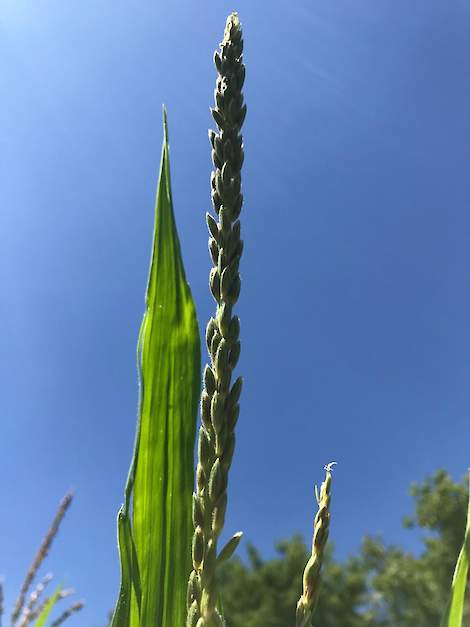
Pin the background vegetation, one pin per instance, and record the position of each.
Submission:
(382, 586)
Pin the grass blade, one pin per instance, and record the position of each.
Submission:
(454, 610)
(155, 524)
(170, 382)
(47, 609)
(129, 574)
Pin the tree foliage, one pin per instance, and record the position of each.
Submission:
(383, 586)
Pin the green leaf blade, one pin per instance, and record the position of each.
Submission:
(47, 609)
(130, 581)
(162, 476)
(454, 611)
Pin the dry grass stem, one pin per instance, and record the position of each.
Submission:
(73, 609)
(29, 611)
(40, 556)
(1, 602)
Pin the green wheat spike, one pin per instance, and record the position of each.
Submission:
(219, 400)
(311, 579)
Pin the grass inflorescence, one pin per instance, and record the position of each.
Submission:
(37, 606)
(311, 579)
(220, 399)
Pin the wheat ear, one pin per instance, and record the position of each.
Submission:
(311, 579)
(219, 400)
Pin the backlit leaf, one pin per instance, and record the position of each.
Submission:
(454, 610)
(155, 525)
(47, 609)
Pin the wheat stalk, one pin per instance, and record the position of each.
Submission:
(219, 400)
(311, 579)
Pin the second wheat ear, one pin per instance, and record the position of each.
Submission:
(220, 399)
(311, 578)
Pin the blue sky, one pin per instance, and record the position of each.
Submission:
(355, 301)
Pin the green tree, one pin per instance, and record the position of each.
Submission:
(265, 592)
(383, 586)
(409, 590)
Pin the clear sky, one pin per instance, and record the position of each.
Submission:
(355, 303)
